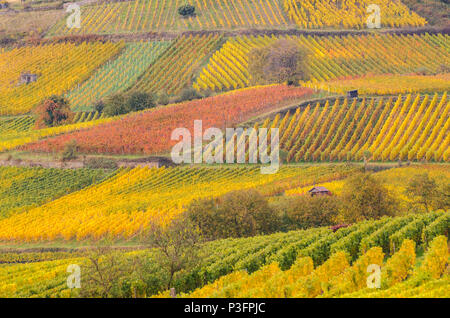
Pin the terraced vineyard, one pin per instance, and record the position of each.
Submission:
(387, 84)
(22, 188)
(59, 67)
(16, 124)
(124, 204)
(285, 262)
(117, 75)
(349, 14)
(13, 139)
(413, 127)
(331, 57)
(42, 279)
(174, 197)
(395, 180)
(175, 69)
(152, 15)
(335, 277)
(150, 131)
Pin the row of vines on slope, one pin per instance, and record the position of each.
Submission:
(331, 57)
(158, 15)
(123, 205)
(58, 67)
(412, 127)
(283, 264)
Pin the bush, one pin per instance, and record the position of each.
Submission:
(115, 105)
(304, 211)
(188, 94)
(283, 61)
(53, 111)
(100, 163)
(99, 106)
(365, 198)
(121, 103)
(137, 101)
(422, 190)
(186, 10)
(236, 214)
(70, 151)
(163, 99)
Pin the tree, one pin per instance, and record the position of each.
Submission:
(186, 10)
(115, 105)
(103, 272)
(423, 190)
(163, 99)
(301, 212)
(111, 272)
(177, 245)
(236, 214)
(53, 111)
(121, 103)
(363, 197)
(283, 61)
(366, 155)
(70, 151)
(188, 94)
(442, 200)
(202, 212)
(137, 101)
(99, 106)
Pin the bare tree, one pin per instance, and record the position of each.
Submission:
(177, 243)
(280, 62)
(102, 272)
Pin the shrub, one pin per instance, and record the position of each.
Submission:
(283, 61)
(163, 99)
(188, 94)
(187, 10)
(121, 103)
(53, 111)
(137, 101)
(236, 214)
(423, 190)
(364, 198)
(7, 40)
(99, 106)
(355, 277)
(115, 105)
(70, 151)
(303, 212)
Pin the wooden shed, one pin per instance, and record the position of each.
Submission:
(352, 93)
(319, 191)
(26, 78)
